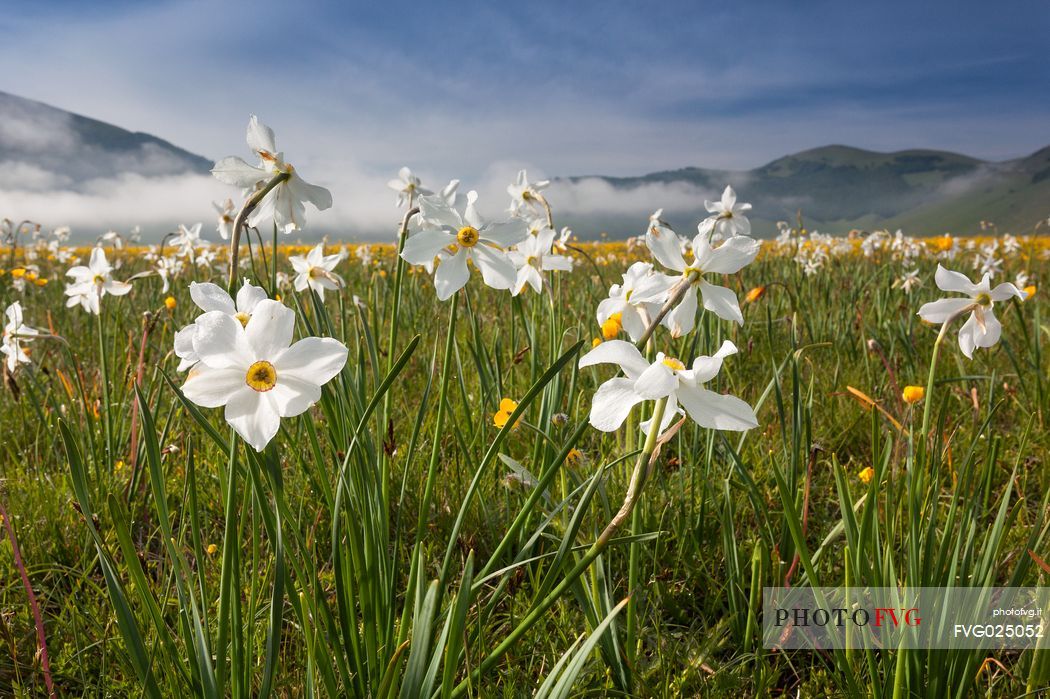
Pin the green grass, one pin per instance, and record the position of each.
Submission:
(350, 561)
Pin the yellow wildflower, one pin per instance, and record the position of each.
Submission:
(866, 474)
(913, 394)
(755, 294)
(170, 303)
(506, 407)
(612, 326)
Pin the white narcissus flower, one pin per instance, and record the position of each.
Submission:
(314, 270)
(92, 282)
(16, 332)
(524, 194)
(667, 378)
(982, 329)
(533, 257)
(407, 186)
(213, 298)
(634, 315)
(227, 216)
(728, 258)
(473, 238)
(728, 217)
(252, 371)
(187, 240)
(284, 205)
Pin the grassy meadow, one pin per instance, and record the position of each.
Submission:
(438, 524)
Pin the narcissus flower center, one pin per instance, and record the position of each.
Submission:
(674, 363)
(243, 318)
(261, 376)
(315, 272)
(467, 236)
(983, 299)
(532, 260)
(99, 279)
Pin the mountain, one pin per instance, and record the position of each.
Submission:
(60, 168)
(43, 148)
(839, 188)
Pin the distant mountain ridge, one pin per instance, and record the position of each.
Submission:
(47, 151)
(44, 148)
(838, 188)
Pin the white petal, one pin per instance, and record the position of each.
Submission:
(313, 359)
(1006, 290)
(220, 342)
(721, 301)
(260, 136)
(248, 297)
(184, 342)
(116, 288)
(269, 330)
(451, 275)
(664, 245)
(656, 381)
(293, 396)
(211, 297)
(940, 311)
(437, 211)
(496, 268)
(236, 172)
(682, 318)
(716, 411)
(622, 354)
(612, 403)
(423, 246)
(706, 368)
(254, 416)
(315, 194)
(729, 257)
(992, 331)
(210, 388)
(968, 336)
(506, 233)
(954, 281)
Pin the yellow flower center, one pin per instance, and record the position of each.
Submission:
(467, 236)
(243, 317)
(532, 260)
(674, 364)
(983, 299)
(315, 272)
(261, 376)
(99, 279)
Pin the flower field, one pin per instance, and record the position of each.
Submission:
(488, 459)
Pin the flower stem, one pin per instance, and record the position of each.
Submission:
(238, 224)
(391, 343)
(104, 379)
(677, 293)
(435, 457)
(634, 491)
(927, 412)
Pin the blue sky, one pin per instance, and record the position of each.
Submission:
(475, 90)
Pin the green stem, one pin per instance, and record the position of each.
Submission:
(927, 411)
(435, 457)
(399, 277)
(107, 424)
(634, 491)
(238, 225)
